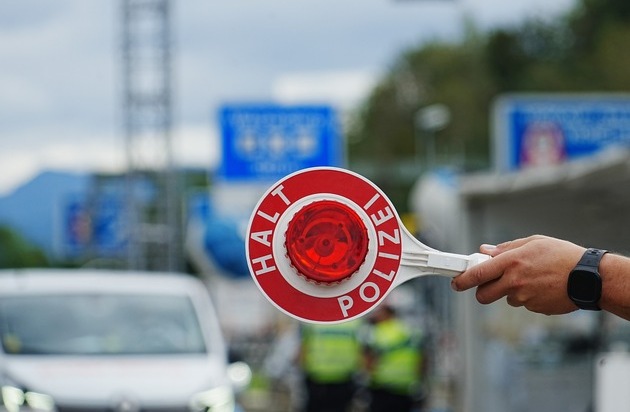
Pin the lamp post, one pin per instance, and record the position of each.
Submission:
(427, 122)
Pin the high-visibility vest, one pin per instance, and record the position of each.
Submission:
(398, 357)
(331, 353)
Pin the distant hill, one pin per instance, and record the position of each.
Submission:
(34, 209)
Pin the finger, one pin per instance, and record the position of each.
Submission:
(491, 250)
(516, 243)
(490, 292)
(479, 274)
(494, 250)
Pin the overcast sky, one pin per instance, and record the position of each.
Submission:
(60, 66)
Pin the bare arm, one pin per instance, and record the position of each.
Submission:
(615, 272)
(533, 272)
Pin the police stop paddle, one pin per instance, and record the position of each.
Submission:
(325, 245)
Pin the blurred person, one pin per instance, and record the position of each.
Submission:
(550, 276)
(330, 357)
(395, 363)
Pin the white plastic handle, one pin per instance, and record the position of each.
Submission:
(419, 259)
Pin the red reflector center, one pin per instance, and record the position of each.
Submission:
(326, 241)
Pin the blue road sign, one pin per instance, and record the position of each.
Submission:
(266, 141)
(96, 229)
(542, 129)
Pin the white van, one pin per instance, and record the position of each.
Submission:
(93, 340)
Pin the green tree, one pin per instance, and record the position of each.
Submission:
(584, 50)
(385, 143)
(16, 252)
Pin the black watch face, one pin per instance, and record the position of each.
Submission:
(584, 286)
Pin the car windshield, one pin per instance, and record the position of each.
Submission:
(99, 325)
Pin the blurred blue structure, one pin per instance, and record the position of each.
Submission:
(225, 246)
(215, 238)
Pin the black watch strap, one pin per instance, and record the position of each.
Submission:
(590, 261)
(592, 257)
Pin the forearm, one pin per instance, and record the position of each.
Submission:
(615, 273)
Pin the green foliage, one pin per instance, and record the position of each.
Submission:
(586, 50)
(15, 252)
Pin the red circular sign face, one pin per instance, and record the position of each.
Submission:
(326, 241)
(350, 251)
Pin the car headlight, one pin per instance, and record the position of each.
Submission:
(16, 399)
(219, 399)
(240, 374)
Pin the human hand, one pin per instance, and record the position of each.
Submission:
(530, 272)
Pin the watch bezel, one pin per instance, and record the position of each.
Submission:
(576, 287)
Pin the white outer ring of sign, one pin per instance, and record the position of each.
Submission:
(290, 274)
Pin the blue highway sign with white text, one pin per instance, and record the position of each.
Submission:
(265, 142)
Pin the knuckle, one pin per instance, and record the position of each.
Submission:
(516, 300)
(476, 275)
(515, 284)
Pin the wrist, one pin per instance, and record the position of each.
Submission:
(611, 269)
(584, 285)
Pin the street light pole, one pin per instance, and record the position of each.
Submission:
(427, 122)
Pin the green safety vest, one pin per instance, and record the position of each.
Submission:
(398, 357)
(331, 352)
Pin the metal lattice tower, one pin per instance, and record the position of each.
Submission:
(151, 195)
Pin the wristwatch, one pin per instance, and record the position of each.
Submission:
(585, 284)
